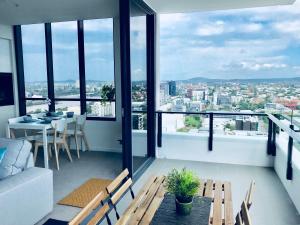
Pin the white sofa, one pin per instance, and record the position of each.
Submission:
(27, 197)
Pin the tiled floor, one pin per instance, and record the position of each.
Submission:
(271, 206)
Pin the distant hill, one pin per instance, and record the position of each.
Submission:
(263, 80)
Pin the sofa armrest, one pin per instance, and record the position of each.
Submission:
(28, 194)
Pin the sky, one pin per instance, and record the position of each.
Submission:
(249, 43)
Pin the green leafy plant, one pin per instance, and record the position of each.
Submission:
(184, 184)
(108, 93)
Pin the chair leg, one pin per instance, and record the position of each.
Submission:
(77, 147)
(68, 151)
(56, 156)
(36, 147)
(50, 150)
(85, 141)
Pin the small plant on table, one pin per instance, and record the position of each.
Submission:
(184, 184)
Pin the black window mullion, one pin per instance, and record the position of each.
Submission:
(151, 97)
(20, 69)
(81, 61)
(49, 58)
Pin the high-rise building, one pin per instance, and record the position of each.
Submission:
(172, 88)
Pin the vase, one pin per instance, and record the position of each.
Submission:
(183, 208)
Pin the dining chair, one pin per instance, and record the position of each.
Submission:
(118, 188)
(79, 131)
(58, 140)
(249, 194)
(243, 217)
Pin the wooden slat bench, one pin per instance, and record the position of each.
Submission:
(142, 209)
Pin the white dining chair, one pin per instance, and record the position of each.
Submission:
(79, 132)
(58, 140)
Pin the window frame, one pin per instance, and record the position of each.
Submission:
(50, 76)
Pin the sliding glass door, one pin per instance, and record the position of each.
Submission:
(138, 57)
(138, 99)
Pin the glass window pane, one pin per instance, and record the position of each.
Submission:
(36, 106)
(5, 56)
(65, 59)
(99, 56)
(68, 106)
(101, 109)
(34, 56)
(138, 62)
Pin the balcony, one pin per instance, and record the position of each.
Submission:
(238, 159)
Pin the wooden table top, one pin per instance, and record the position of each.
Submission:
(142, 209)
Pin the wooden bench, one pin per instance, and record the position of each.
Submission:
(142, 209)
(243, 217)
(95, 211)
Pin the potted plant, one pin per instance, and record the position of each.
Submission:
(184, 184)
(108, 93)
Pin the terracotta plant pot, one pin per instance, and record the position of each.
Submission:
(183, 208)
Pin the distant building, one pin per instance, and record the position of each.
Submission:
(172, 88)
(246, 123)
(139, 121)
(164, 92)
(224, 100)
(195, 106)
(270, 106)
(239, 124)
(179, 108)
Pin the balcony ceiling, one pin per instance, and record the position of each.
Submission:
(14, 12)
(182, 6)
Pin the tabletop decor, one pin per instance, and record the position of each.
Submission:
(166, 213)
(184, 184)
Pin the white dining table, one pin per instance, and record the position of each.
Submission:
(36, 126)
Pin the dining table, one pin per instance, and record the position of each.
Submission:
(37, 124)
(154, 206)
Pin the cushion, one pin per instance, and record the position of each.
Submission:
(15, 158)
(2, 153)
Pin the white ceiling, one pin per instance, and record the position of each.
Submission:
(181, 6)
(40, 11)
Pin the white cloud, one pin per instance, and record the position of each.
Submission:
(221, 27)
(211, 29)
(291, 27)
(138, 32)
(262, 66)
(251, 27)
(138, 74)
(170, 21)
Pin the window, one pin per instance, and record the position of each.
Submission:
(99, 67)
(35, 70)
(65, 60)
(99, 100)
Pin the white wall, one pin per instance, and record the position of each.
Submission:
(226, 149)
(280, 165)
(6, 38)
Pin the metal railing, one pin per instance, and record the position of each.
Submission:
(210, 115)
(275, 125)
